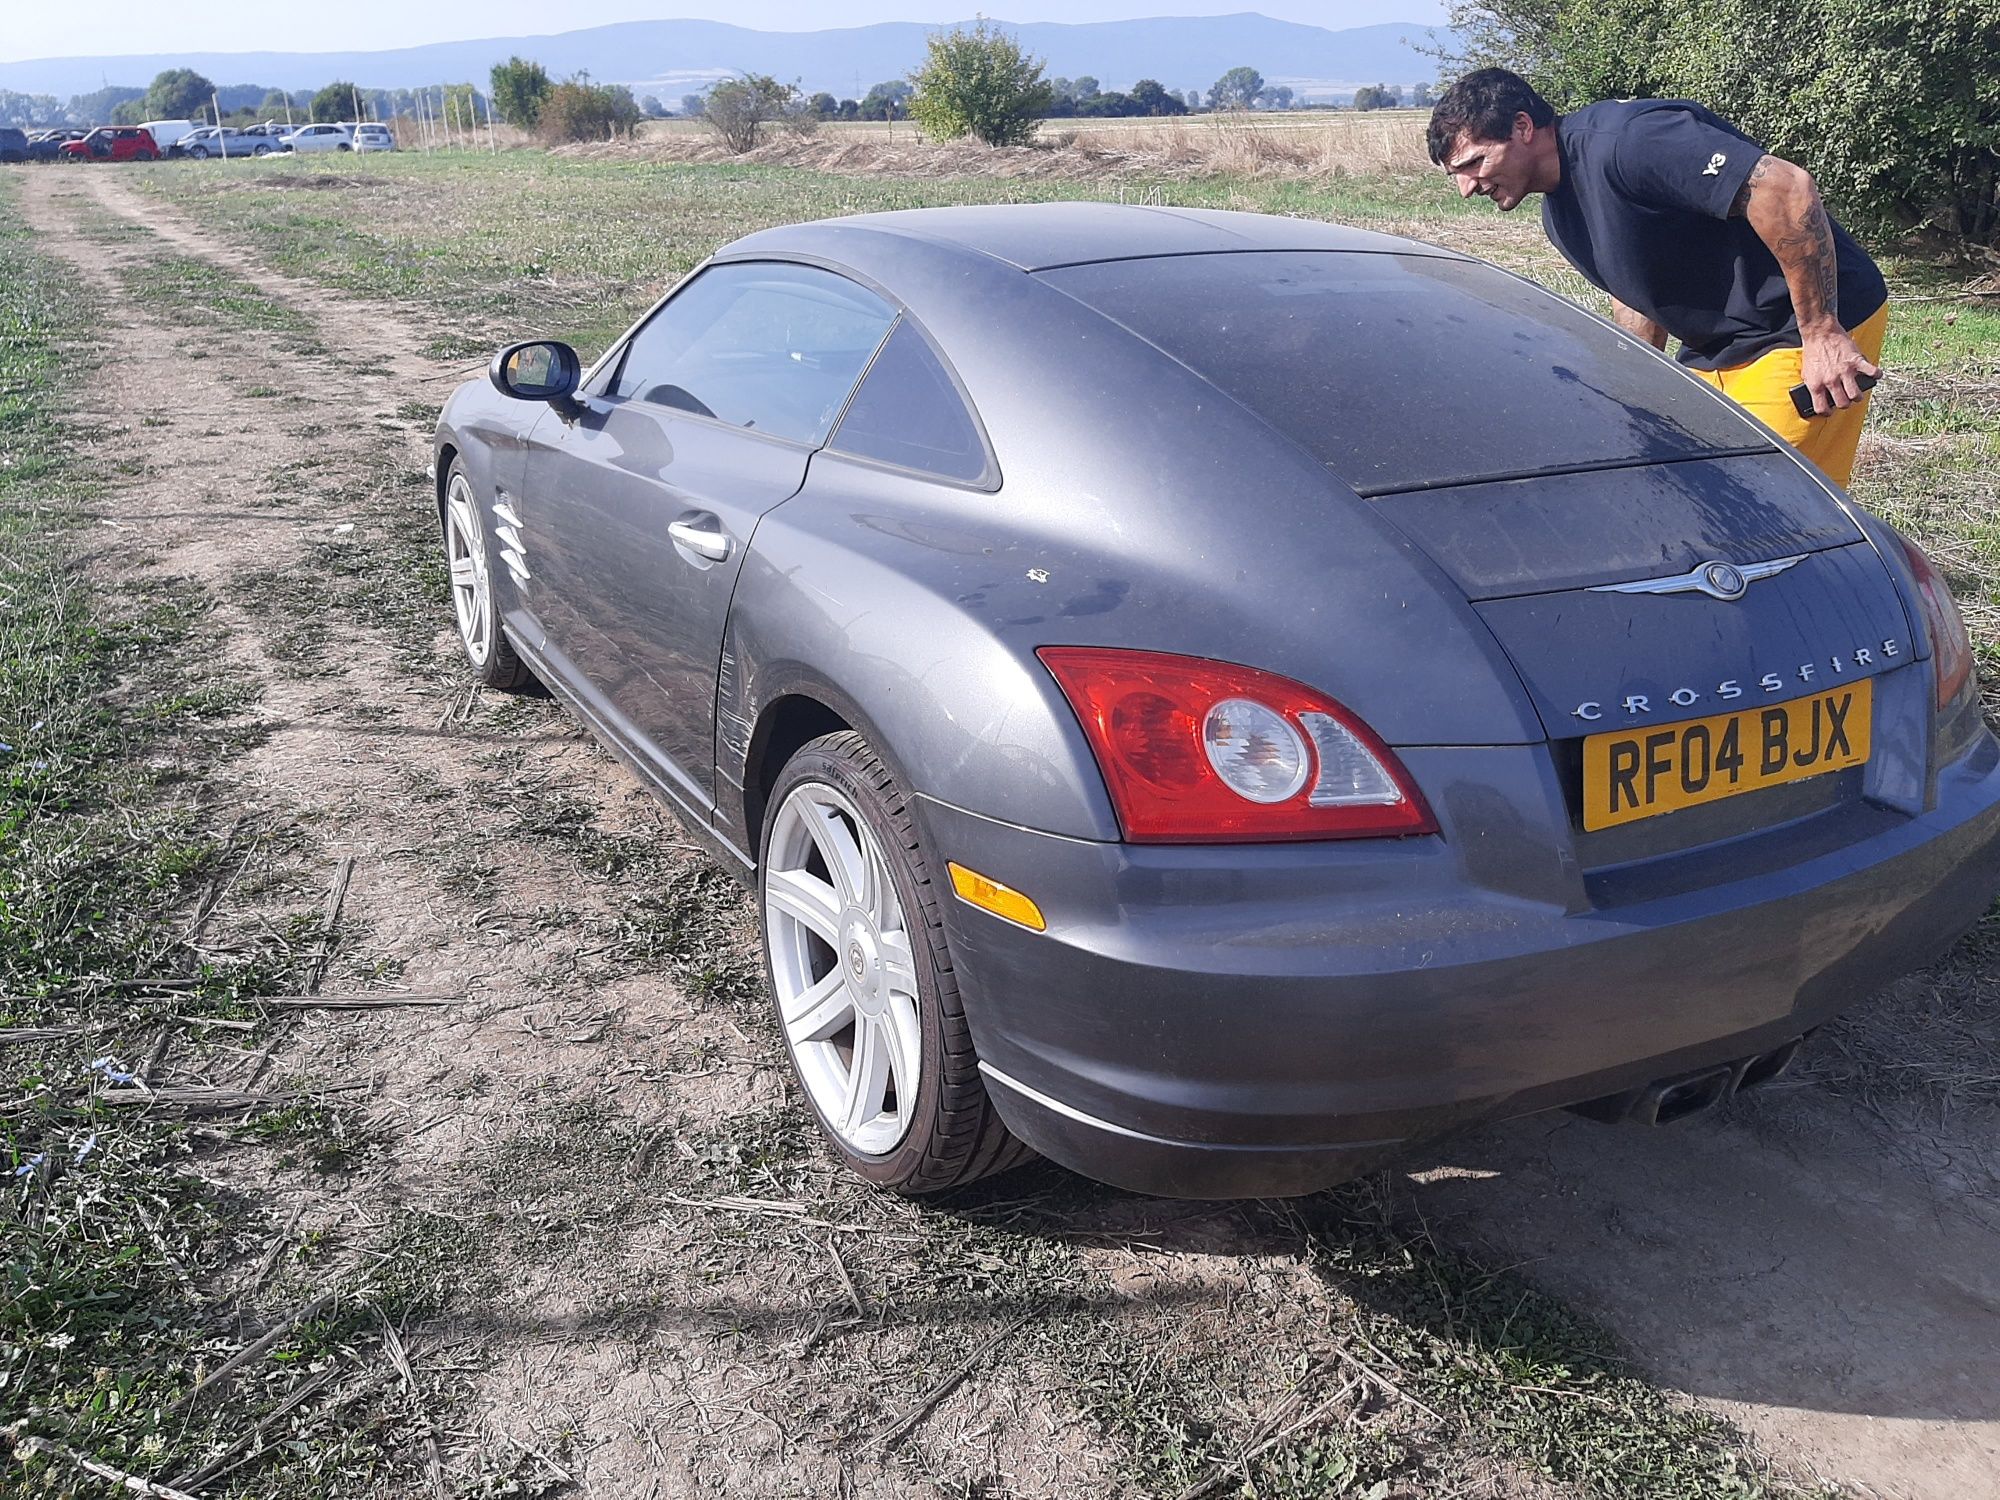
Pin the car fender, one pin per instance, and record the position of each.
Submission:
(958, 713)
(487, 433)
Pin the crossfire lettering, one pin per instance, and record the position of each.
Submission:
(1863, 657)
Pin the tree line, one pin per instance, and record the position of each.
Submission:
(183, 94)
(974, 81)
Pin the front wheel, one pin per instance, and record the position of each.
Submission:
(199, 153)
(866, 995)
(492, 656)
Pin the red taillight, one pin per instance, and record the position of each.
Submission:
(1951, 649)
(1199, 752)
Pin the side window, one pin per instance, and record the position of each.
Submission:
(908, 413)
(757, 344)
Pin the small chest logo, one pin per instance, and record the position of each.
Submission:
(1715, 165)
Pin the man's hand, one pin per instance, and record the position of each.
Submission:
(1831, 362)
(1781, 201)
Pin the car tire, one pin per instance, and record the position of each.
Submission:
(343, 146)
(861, 980)
(469, 571)
(260, 150)
(199, 153)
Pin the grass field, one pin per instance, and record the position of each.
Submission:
(481, 244)
(576, 1208)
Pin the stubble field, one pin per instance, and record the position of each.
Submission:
(399, 1110)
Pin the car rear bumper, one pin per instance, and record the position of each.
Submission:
(1268, 1020)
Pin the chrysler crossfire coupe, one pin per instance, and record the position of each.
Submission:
(1218, 700)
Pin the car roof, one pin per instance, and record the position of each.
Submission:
(1042, 236)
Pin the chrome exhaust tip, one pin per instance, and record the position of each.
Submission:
(1766, 1066)
(1674, 1099)
(1666, 1100)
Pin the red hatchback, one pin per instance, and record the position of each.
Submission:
(112, 143)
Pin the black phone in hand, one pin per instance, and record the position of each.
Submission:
(1802, 395)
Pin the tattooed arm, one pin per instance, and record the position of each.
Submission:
(1781, 202)
(1638, 324)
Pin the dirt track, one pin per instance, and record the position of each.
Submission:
(1820, 1269)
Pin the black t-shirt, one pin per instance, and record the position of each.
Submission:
(1642, 212)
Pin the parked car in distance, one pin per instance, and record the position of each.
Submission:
(166, 132)
(373, 137)
(112, 143)
(228, 141)
(43, 145)
(13, 144)
(204, 142)
(308, 138)
(1351, 695)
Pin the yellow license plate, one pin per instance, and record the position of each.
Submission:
(1639, 773)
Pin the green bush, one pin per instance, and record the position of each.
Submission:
(179, 94)
(737, 109)
(1894, 106)
(335, 102)
(979, 82)
(578, 110)
(520, 88)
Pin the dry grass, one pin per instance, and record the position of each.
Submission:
(1210, 146)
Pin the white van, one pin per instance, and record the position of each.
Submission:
(166, 132)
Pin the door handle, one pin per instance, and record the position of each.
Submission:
(708, 541)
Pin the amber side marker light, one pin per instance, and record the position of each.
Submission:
(990, 895)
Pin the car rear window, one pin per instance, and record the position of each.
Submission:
(1408, 372)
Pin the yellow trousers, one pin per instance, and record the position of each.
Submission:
(1763, 388)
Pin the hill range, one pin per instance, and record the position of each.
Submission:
(669, 58)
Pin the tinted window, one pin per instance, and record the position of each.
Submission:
(1403, 372)
(908, 413)
(774, 348)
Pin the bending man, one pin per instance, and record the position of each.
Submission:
(1694, 231)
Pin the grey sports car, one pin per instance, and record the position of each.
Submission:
(1218, 699)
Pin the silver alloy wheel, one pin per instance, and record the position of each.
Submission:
(471, 591)
(843, 969)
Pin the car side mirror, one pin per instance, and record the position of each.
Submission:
(540, 370)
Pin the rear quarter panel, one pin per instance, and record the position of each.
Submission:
(1137, 508)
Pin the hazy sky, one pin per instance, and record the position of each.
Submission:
(34, 28)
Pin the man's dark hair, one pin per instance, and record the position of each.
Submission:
(1484, 103)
